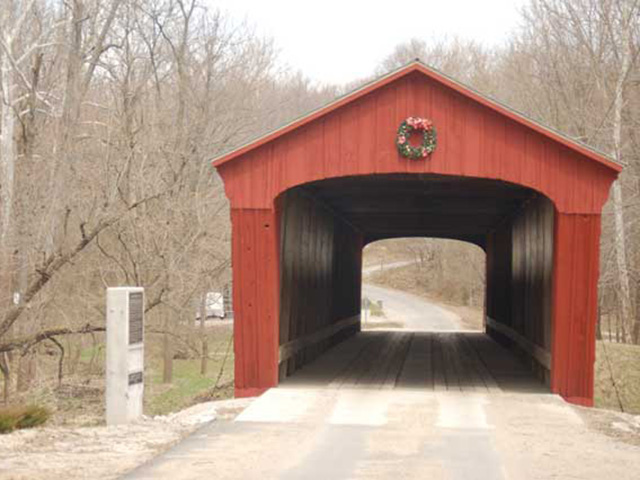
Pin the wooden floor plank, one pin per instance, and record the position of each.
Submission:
(417, 371)
(439, 376)
(483, 372)
(469, 364)
(425, 360)
(376, 371)
(466, 374)
(395, 367)
(451, 369)
(367, 362)
(331, 365)
(351, 369)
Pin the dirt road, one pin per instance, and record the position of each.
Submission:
(377, 434)
(321, 428)
(379, 267)
(412, 312)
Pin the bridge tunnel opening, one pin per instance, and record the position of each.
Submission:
(423, 284)
(323, 335)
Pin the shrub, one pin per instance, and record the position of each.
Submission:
(7, 421)
(33, 416)
(12, 418)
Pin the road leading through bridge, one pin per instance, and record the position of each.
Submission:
(375, 407)
(411, 311)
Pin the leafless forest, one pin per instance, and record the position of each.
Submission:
(112, 109)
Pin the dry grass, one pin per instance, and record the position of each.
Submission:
(384, 252)
(18, 417)
(618, 364)
(79, 400)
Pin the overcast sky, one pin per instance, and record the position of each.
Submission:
(337, 41)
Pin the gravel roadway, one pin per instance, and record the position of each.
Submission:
(411, 311)
(298, 433)
(305, 432)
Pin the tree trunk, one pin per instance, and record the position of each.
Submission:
(204, 361)
(75, 350)
(7, 150)
(624, 290)
(167, 371)
(7, 173)
(23, 381)
(94, 353)
(60, 360)
(5, 368)
(624, 293)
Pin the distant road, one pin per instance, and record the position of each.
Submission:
(413, 312)
(385, 266)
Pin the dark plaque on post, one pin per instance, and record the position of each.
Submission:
(135, 377)
(135, 317)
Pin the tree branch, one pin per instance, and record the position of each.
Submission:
(56, 261)
(26, 343)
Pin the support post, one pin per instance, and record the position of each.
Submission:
(125, 354)
(575, 306)
(256, 291)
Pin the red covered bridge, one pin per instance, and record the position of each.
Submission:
(308, 197)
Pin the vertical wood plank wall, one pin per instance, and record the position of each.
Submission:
(575, 306)
(520, 277)
(256, 292)
(320, 275)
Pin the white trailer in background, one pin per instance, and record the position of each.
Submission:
(214, 306)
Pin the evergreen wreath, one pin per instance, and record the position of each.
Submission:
(416, 124)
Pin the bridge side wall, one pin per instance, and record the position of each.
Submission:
(575, 306)
(256, 295)
(320, 280)
(519, 283)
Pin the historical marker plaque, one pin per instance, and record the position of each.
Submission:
(136, 314)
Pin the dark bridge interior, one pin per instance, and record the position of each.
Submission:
(387, 206)
(432, 361)
(326, 224)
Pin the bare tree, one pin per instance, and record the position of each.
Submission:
(574, 65)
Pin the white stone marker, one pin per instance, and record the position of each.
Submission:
(125, 354)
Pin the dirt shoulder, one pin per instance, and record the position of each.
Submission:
(623, 427)
(102, 452)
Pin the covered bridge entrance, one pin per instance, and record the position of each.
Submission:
(308, 197)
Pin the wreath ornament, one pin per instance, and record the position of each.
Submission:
(407, 128)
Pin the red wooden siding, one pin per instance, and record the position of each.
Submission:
(575, 306)
(474, 141)
(256, 270)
